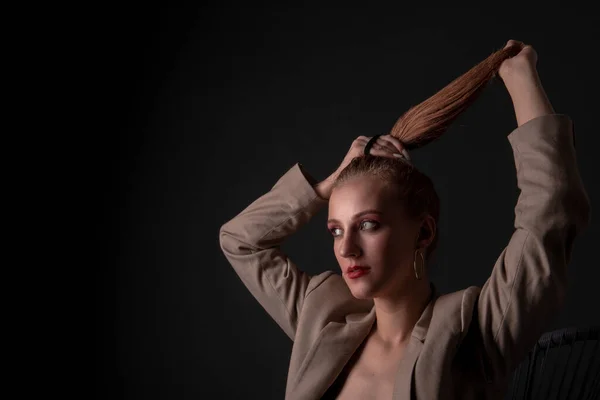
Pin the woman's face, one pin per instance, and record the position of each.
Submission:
(370, 228)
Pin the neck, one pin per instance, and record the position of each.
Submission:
(396, 316)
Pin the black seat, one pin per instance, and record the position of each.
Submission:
(564, 364)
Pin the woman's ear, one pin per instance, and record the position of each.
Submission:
(427, 232)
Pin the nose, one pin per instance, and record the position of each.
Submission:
(349, 247)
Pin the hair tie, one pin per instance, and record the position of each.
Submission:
(370, 144)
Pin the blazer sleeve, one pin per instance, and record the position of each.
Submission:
(251, 243)
(528, 282)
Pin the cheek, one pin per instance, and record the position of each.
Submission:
(393, 248)
(381, 247)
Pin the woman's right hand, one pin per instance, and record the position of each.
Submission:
(385, 146)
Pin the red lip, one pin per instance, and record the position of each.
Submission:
(357, 273)
(355, 267)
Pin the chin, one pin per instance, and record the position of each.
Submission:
(362, 296)
(361, 291)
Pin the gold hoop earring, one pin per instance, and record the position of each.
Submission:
(419, 271)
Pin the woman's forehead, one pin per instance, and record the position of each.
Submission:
(356, 196)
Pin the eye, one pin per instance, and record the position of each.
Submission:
(364, 225)
(373, 224)
(332, 230)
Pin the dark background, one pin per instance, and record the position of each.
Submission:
(204, 108)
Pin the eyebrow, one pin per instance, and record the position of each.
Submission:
(372, 211)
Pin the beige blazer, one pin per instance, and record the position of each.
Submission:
(465, 344)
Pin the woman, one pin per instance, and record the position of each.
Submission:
(380, 330)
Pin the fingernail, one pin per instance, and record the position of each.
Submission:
(398, 155)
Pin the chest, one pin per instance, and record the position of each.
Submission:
(369, 374)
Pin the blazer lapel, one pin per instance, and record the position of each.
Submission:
(404, 382)
(403, 385)
(338, 341)
(333, 349)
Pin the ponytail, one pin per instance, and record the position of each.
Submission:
(420, 125)
(428, 120)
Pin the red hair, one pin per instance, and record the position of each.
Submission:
(420, 125)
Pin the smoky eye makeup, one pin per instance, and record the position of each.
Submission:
(364, 224)
(373, 224)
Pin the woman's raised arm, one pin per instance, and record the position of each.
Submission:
(251, 240)
(528, 283)
(251, 243)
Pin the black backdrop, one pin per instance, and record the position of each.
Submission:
(206, 107)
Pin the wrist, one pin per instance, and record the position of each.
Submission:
(307, 175)
(323, 189)
(520, 82)
(529, 98)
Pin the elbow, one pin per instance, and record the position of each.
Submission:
(226, 241)
(233, 241)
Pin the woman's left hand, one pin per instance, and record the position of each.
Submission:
(522, 65)
(520, 77)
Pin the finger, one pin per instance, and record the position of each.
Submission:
(377, 145)
(398, 145)
(512, 42)
(380, 151)
(385, 145)
(384, 152)
(360, 143)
